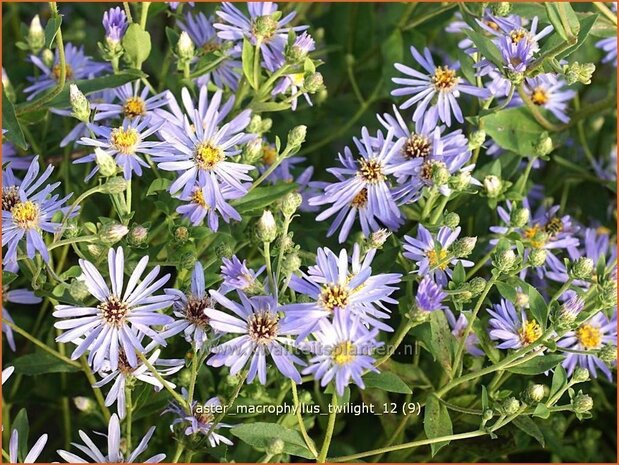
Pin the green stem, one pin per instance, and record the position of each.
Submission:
(129, 419)
(439, 210)
(308, 441)
(280, 254)
(179, 451)
(182, 402)
(195, 362)
(396, 341)
(561, 290)
(330, 428)
(143, 18)
(271, 168)
(73, 240)
(432, 14)
(235, 394)
(427, 208)
(96, 391)
(535, 111)
(128, 11)
(267, 260)
(606, 12)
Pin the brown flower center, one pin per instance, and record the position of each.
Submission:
(134, 107)
(10, 197)
(263, 326)
(334, 296)
(114, 311)
(371, 171)
(417, 146)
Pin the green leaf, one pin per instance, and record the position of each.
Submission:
(51, 29)
(587, 24)
(160, 184)
(21, 424)
(559, 381)
(269, 106)
(260, 435)
(436, 422)
(507, 292)
(485, 401)
(513, 129)
(172, 36)
(537, 365)
(557, 13)
(538, 306)
(8, 277)
(247, 58)
(441, 341)
(392, 51)
(136, 43)
(387, 382)
(262, 197)
(530, 427)
(40, 363)
(486, 47)
(459, 275)
(541, 411)
(11, 124)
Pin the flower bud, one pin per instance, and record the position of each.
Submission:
(78, 289)
(519, 217)
(451, 220)
(460, 180)
(48, 58)
(72, 230)
(8, 87)
(378, 238)
(580, 375)
(253, 150)
(111, 233)
(85, 404)
(291, 264)
(80, 105)
(290, 203)
(439, 173)
(185, 47)
(515, 77)
(264, 26)
(463, 247)
(608, 294)
(313, 83)
(501, 8)
(476, 139)
(181, 234)
(255, 124)
(488, 414)
(521, 300)
(493, 186)
(576, 72)
(138, 235)
(570, 310)
(106, 163)
(275, 446)
(224, 250)
(96, 250)
(187, 260)
(537, 257)
(535, 392)
(544, 145)
(321, 96)
(582, 403)
(477, 285)
(184, 377)
(581, 268)
(505, 260)
(510, 406)
(36, 35)
(115, 185)
(608, 354)
(296, 136)
(267, 228)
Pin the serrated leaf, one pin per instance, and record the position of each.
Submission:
(530, 427)
(51, 29)
(436, 422)
(11, 124)
(40, 363)
(537, 365)
(136, 43)
(387, 382)
(262, 197)
(260, 435)
(513, 129)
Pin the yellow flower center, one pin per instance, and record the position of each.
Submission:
(530, 332)
(602, 231)
(334, 296)
(444, 79)
(343, 353)
(26, 214)
(134, 106)
(361, 199)
(269, 155)
(124, 140)
(589, 336)
(539, 96)
(56, 70)
(417, 146)
(207, 156)
(536, 236)
(262, 327)
(198, 197)
(437, 259)
(371, 171)
(517, 35)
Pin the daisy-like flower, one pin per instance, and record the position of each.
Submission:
(432, 254)
(115, 24)
(126, 372)
(458, 327)
(174, 5)
(592, 335)
(32, 455)
(363, 189)
(12, 159)
(515, 29)
(200, 421)
(114, 454)
(78, 66)
(131, 102)
(429, 296)
(263, 331)
(125, 143)
(263, 27)
(27, 211)
(293, 83)
(116, 323)
(512, 328)
(547, 91)
(197, 210)
(439, 90)
(189, 309)
(16, 296)
(238, 276)
(202, 33)
(336, 286)
(343, 351)
(609, 47)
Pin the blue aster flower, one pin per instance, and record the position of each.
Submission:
(130, 102)
(118, 320)
(197, 210)
(590, 336)
(343, 351)
(429, 296)
(78, 67)
(336, 285)
(261, 330)
(458, 327)
(516, 29)
(512, 328)
(174, 5)
(548, 91)
(16, 296)
(432, 254)
(11, 158)
(115, 24)
(609, 47)
(32, 455)
(238, 276)
(439, 90)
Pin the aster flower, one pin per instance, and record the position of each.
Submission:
(343, 349)
(32, 455)
(125, 143)
(12, 159)
(114, 454)
(432, 255)
(78, 66)
(16, 296)
(512, 328)
(263, 28)
(439, 89)
(131, 102)
(334, 285)
(609, 47)
(429, 296)
(126, 373)
(200, 421)
(189, 309)
(238, 276)
(116, 322)
(515, 29)
(458, 327)
(590, 336)
(547, 91)
(196, 210)
(115, 24)
(174, 5)
(27, 211)
(263, 331)
(363, 188)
